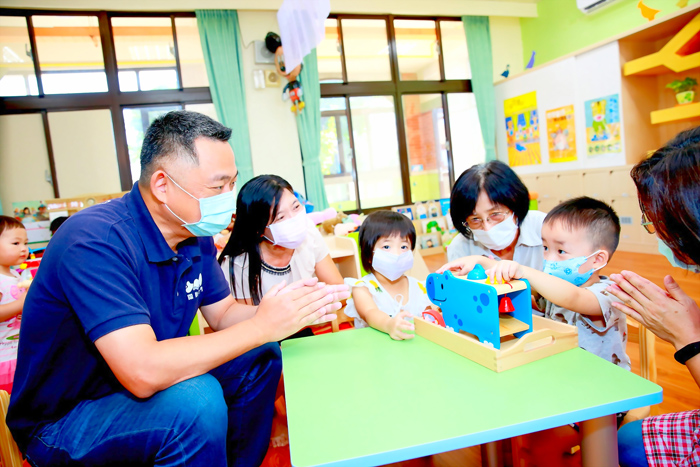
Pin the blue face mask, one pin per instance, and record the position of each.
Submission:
(675, 262)
(215, 213)
(568, 269)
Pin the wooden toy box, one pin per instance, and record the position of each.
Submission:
(547, 338)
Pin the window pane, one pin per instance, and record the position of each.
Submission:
(84, 152)
(17, 69)
(146, 45)
(189, 47)
(70, 54)
(366, 49)
(416, 45)
(424, 118)
(336, 155)
(454, 50)
(206, 109)
(376, 151)
(24, 160)
(330, 70)
(150, 80)
(136, 121)
(71, 83)
(467, 142)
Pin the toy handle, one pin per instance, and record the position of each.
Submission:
(545, 341)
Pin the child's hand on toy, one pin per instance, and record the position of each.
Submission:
(398, 327)
(461, 266)
(505, 271)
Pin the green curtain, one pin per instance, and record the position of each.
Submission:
(309, 130)
(223, 55)
(481, 63)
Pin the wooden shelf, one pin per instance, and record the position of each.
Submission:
(680, 54)
(676, 114)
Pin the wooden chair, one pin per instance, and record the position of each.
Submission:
(10, 456)
(647, 366)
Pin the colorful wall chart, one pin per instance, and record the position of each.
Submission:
(561, 134)
(603, 126)
(522, 130)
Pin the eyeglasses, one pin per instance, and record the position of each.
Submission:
(648, 226)
(477, 223)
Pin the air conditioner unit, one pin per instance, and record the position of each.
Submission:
(589, 6)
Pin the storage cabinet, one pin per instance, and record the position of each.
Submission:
(612, 185)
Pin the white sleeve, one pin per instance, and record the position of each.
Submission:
(240, 278)
(318, 244)
(458, 248)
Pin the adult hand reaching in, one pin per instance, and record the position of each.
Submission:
(670, 314)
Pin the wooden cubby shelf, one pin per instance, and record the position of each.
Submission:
(680, 54)
(676, 114)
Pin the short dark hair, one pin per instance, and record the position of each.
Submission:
(174, 134)
(383, 224)
(598, 219)
(56, 223)
(500, 184)
(668, 186)
(8, 223)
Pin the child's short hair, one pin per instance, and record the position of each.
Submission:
(7, 223)
(599, 220)
(383, 224)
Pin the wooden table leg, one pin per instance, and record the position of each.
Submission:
(492, 455)
(599, 442)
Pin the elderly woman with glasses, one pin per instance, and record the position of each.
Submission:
(668, 183)
(490, 209)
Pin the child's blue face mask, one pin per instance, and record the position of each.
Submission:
(215, 213)
(675, 262)
(569, 269)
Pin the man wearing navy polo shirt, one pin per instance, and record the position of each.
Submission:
(105, 374)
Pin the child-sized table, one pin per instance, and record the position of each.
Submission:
(358, 398)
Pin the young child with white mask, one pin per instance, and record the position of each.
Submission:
(386, 299)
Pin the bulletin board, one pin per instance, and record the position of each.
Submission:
(571, 94)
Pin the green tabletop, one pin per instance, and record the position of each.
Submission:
(359, 398)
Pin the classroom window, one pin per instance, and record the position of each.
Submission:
(330, 68)
(17, 73)
(426, 139)
(145, 50)
(337, 155)
(454, 50)
(394, 80)
(70, 54)
(130, 67)
(376, 150)
(194, 71)
(366, 49)
(417, 50)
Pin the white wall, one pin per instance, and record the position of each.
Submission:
(24, 160)
(273, 133)
(574, 80)
(84, 152)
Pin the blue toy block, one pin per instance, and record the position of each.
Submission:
(471, 305)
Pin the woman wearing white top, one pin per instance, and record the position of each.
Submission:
(489, 207)
(272, 240)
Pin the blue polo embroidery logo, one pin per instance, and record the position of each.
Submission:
(193, 289)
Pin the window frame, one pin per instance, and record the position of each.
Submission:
(113, 100)
(396, 88)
